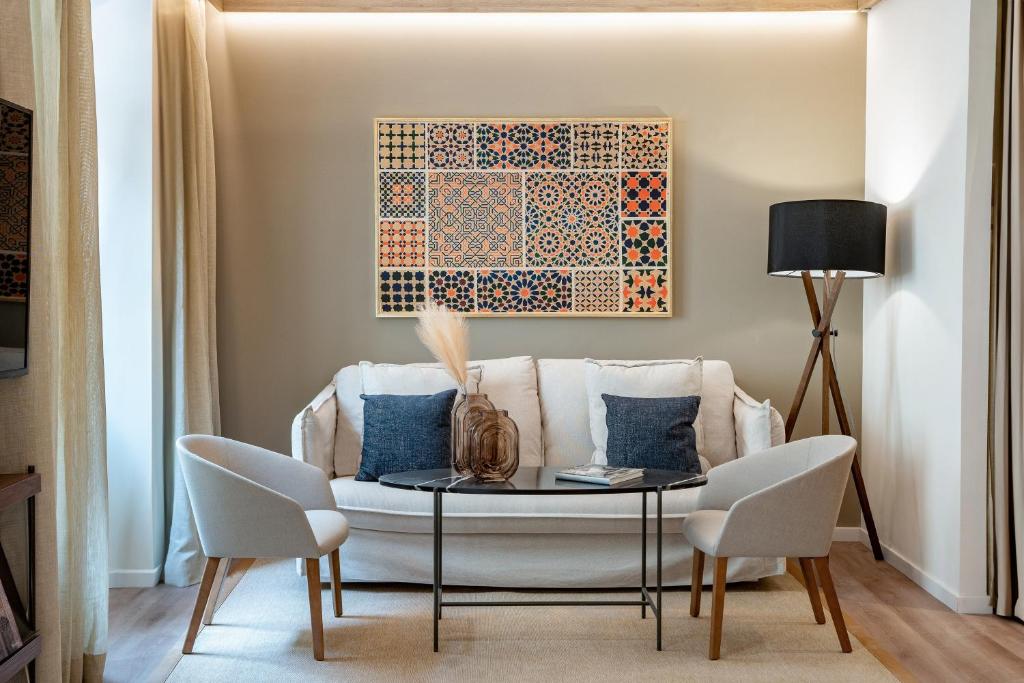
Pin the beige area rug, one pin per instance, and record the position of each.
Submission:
(261, 633)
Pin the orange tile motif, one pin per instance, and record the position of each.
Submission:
(402, 244)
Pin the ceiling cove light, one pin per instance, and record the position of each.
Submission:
(663, 21)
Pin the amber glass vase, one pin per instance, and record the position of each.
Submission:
(493, 445)
(465, 405)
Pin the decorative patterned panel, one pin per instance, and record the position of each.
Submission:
(402, 244)
(15, 130)
(13, 275)
(15, 188)
(510, 216)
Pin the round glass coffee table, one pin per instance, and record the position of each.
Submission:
(541, 481)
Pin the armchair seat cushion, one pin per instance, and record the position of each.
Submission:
(703, 528)
(330, 528)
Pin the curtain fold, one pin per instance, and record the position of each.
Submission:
(66, 197)
(1006, 366)
(188, 222)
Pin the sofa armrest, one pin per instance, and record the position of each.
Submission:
(778, 428)
(313, 431)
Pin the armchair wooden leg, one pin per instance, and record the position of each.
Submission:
(717, 606)
(316, 618)
(336, 580)
(821, 563)
(218, 586)
(204, 595)
(696, 582)
(811, 584)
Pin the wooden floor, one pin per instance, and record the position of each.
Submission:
(912, 632)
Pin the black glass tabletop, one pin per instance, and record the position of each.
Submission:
(536, 481)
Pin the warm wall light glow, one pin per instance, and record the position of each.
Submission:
(548, 20)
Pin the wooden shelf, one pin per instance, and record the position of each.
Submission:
(20, 658)
(14, 488)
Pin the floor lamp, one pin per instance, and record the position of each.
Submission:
(833, 240)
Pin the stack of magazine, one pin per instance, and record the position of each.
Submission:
(600, 474)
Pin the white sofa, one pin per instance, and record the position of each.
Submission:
(520, 541)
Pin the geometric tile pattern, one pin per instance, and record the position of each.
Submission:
(401, 146)
(644, 242)
(572, 219)
(525, 291)
(402, 244)
(644, 291)
(595, 145)
(450, 145)
(454, 288)
(15, 192)
(530, 146)
(506, 216)
(595, 291)
(644, 194)
(645, 145)
(13, 275)
(401, 291)
(15, 130)
(475, 219)
(403, 194)
(14, 195)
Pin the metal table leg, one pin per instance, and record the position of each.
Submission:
(643, 557)
(438, 532)
(658, 612)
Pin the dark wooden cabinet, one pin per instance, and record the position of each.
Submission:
(14, 490)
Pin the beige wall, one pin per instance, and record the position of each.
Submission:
(766, 108)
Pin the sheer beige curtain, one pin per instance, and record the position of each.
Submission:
(1006, 386)
(188, 220)
(65, 202)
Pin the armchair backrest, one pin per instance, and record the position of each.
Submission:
(782, 502)
(251, 502)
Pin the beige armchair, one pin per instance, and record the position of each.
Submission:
(782, 502)
(253, 503)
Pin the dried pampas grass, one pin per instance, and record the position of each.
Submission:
(446, 335)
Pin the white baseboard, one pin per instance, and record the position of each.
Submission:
(134, 578)
(964, 604)
(850, 534)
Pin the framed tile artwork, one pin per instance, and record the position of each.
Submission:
(524, 217)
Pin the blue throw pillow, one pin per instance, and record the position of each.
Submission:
(652, 433)
(403, 433)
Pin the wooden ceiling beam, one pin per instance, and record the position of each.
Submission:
(542, 5)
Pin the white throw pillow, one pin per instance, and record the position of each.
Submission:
(638, 379)
(406, 380)
(511, 384)
(753, 424)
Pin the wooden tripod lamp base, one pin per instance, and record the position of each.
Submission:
(821, 347)
(833, 240)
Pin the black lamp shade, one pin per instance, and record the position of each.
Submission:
(826, 234)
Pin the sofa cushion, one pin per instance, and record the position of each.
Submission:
(716, 412)
(655, 433)
(368, 505)
(647, 379)
(566, 421)
(510, 383)
(402, 433)
(564, 413)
